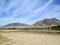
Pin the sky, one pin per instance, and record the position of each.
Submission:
(28, 11)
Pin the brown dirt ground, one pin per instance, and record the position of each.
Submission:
(24, 38)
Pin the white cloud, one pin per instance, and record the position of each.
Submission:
(55, 9)
(26, 8)
(43, 7)
(37, 11)
(29, 7)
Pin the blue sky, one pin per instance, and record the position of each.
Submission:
(28, 11)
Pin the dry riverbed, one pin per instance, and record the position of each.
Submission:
(25, 38)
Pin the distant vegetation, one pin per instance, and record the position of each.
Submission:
(55, 27)
(23, 28)
(47, 28)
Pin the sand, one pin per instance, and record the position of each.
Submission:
(25, 38)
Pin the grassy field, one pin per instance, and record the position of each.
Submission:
(16, 37)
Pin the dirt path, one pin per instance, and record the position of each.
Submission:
(23, 38)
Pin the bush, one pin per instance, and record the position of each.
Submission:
(55, 27)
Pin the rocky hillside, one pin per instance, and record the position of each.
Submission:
(15, 25)
(47, 22)
(41, 23)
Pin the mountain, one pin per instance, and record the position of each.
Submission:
(47, 22)
(41, 23)
(15, 25)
